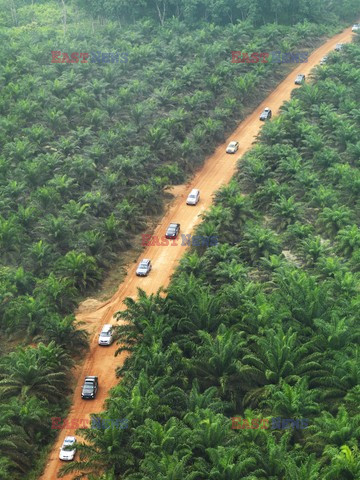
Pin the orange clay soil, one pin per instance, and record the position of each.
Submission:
(217, 171)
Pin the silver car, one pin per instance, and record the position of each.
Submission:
(232, 147)
(356, 27)
(143, 268)
(300, 79)
(339, 47)
(66, 452)
(323, 60)
(106, 335)
(266, 114)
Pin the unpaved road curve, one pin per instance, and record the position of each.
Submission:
(217, 170)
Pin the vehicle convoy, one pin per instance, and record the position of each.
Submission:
(300, 79)
(173, 230)
(90, 387)
(67, 453)
(194, 197)
(106, 335)
(266, 114)
(232, 147)
(144, 268)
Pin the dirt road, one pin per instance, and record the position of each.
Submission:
(217, 170)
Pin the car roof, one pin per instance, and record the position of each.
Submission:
(106, 327)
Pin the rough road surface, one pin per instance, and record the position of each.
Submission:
(217, 171)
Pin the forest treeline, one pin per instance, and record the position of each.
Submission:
(266, 326)
(222, 12)
(86, 151)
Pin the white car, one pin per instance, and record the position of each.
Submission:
(323, 60)
(144, 267)
(356, 27)
(194, 197)
(232, 147)
(300, 79)
(339, 47)
(106, 335)
(69, 453)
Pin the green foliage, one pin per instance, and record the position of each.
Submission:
(269, 323)
(87, 151)
(222, 11)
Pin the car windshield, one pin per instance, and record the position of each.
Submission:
(68, 442)
(191, 196)
(232, 144)
(105, 334)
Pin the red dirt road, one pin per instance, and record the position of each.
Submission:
(217, 171)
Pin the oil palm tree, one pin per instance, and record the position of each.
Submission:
(294, 402)
(80, 268)
(334, 219)
(13, 439)
(259, 242)
(275, 357)
(344, 464)
(27, 372)
(303, 469)
(217, 359)
(313, 249)
(65, 332)
(286, 211)
(304, 297)
(332, 431)
(348, 240)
